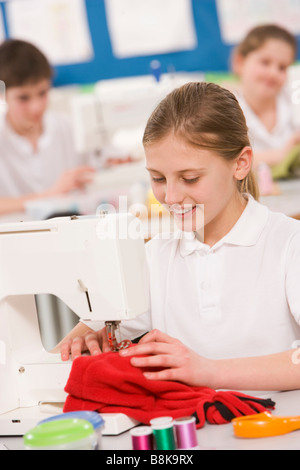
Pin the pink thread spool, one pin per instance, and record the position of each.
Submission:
(185, 432)
(142, 438)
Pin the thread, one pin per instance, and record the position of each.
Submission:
(265, 179)
(163, 432)
(185, 432)
(142, 438)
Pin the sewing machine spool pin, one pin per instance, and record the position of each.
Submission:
(85, 290)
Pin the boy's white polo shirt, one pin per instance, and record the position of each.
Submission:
(25, 171)
(238, 298)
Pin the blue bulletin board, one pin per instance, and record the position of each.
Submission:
(211, 54)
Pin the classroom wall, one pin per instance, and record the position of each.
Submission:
(211, 53)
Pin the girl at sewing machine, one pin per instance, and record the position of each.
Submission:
(261, 62)
(225, 303)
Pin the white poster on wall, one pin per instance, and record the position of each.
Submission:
(237, 17)
(2, 29)
(58, 27)
(147, 27)
(2, 84)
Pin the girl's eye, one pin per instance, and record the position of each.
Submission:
(158, 180)
(191, 180)
(282, 68)
(23, 98)
(186, 180)
(265, 62)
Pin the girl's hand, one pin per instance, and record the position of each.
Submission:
(294, 140)
(94, 342)
(174, 360)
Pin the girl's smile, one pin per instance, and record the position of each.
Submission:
(183, 212)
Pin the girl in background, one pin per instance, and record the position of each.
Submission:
(261, 62)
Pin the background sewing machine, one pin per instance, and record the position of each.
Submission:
(96, 265)
(113, 116)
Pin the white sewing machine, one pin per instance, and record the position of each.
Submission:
(96, 265)
(116, 112)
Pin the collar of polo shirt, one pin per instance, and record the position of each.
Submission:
(245, 232)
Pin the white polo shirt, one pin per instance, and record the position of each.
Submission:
(260, 137)
(239, 298)
(23, 171)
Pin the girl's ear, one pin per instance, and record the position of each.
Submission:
(243, 163)
(237, 62)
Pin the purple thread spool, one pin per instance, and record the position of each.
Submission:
(142, 438)
(185, 431)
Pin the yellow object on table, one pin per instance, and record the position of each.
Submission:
(264, 425)
(285, 168)
(154, 207)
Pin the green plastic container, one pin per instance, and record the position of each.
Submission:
(91, 416)
(68, 434)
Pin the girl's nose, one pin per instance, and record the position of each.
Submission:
(172, 195)
(274, 72)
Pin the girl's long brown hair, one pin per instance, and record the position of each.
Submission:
(206, 116)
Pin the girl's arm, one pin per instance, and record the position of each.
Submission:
(275, 156)
(279, 371)
(270, 157)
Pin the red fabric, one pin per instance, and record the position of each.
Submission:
(108, 383)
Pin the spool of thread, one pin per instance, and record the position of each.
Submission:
(265, 179)
(142, 438)
(163, 432)
(185, 432)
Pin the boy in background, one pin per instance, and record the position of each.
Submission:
(37, 154)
